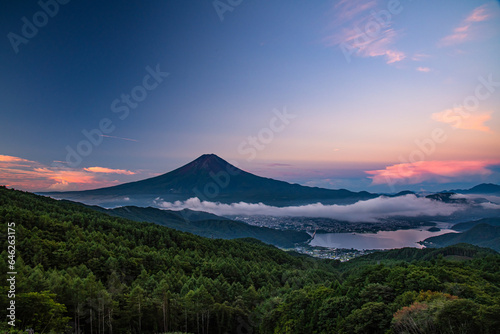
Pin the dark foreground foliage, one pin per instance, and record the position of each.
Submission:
(81, 271)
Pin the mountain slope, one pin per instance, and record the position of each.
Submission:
(482, 235)
(210, 226)
(467, 225)
(211, 178)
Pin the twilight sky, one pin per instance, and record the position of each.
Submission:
(377, 95)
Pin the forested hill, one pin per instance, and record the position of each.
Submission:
(484, 235)
(208, 225)
(81, 271)
(79, 266)
(468, 225)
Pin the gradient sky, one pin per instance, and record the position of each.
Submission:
(381, 95)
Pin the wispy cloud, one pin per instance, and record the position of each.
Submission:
(122, 138)
(9, 158)
(366, 211)
(278, 165)
(357, 30)
(420, 57)
(458, 118)
(473, 197)
(25, 174)
(467, 30)
(423, 69)
(348, 10)
(436, 171)
(108, 170)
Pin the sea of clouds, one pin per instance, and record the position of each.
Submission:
(367, 211)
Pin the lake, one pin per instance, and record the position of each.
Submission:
(379, 240)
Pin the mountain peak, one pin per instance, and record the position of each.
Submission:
(207, 162)
(207, 157)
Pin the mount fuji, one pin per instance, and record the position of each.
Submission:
(211, 178)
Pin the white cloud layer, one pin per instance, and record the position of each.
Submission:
(366, 211)
(492, 204)
(492, 198)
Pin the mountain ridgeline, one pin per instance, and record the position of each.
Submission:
(484, 188)
(211, 178)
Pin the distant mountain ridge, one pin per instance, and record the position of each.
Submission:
(483, 188)
(211, 178)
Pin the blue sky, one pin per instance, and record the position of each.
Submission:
(389, 116)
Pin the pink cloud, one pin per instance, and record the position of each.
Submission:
(467, 28)
(479, 14)
(458, 118)
(8, 158)
(420, 56)
(30, 175)
(394, 56)
(346, 10)
(65, 178)
(423, 69)
(460, 35)
(357, 32)
(367, 46)
(421, 171)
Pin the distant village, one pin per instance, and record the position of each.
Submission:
(328, 225)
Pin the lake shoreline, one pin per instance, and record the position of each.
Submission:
(381, 240)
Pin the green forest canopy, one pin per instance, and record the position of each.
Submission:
(81, 271)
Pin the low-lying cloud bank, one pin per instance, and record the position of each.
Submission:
(368, 211)
(492, 204)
